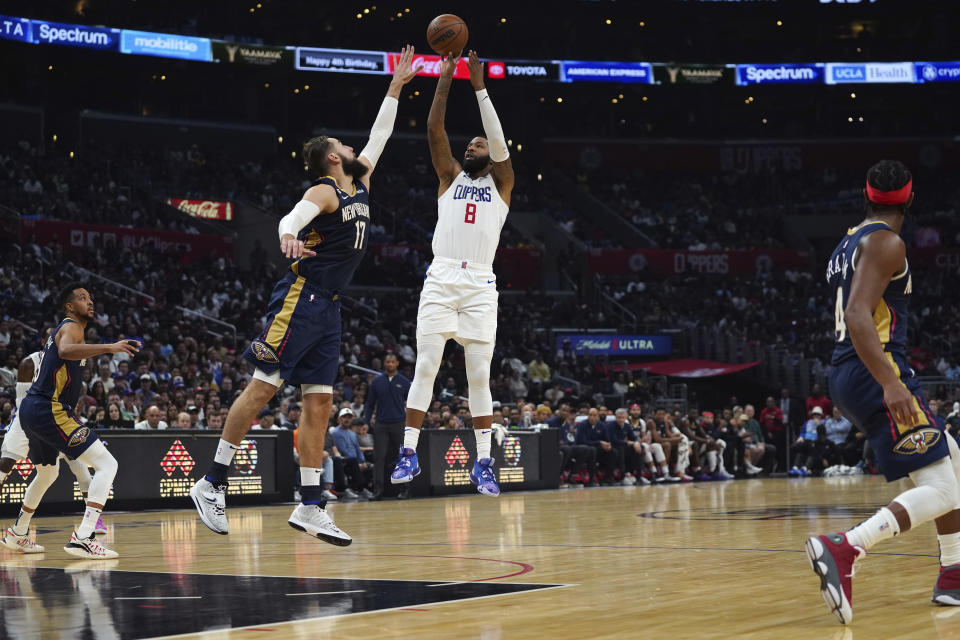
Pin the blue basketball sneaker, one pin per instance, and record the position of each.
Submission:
(483, 476)
(407, 467)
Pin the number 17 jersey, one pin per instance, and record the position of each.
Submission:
(890, 315)
(470, 215)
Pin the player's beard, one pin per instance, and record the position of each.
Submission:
(476, 163)
(354, 167)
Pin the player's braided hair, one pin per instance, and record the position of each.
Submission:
(315, 152)
(888, 175)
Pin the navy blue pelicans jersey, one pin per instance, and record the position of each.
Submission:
(339, 238)
(59, 381)
(890, 316)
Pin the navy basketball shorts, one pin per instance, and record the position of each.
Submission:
(900, 450)
(52, 429)
(301, 339)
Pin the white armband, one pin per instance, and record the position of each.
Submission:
(380, 133)
(302, 214)
(491, 127)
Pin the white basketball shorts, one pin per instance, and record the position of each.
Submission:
(15, 443)
(459, 299)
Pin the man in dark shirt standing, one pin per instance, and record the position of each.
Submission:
(388, 398)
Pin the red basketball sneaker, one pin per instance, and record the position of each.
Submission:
(834, 560)
(947, 589)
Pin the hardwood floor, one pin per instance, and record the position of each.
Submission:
(714, 560)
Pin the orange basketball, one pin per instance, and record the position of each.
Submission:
(447, 34)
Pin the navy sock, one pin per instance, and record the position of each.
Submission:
(217, 473)
(313, 495)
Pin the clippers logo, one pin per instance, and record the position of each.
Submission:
(457, 453)
(79, 437)
(25, 467)
(512, 451)
(245, 459)
(918, 441)
(177, 456)
(263, 352)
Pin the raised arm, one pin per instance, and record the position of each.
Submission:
(496, 141)
(881, 255)
(383, 125)
(444, 164)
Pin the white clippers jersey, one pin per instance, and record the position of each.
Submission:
(470, 215)
(21, 389)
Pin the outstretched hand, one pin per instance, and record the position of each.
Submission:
(449, 65)
(404, 72)
(476, 70)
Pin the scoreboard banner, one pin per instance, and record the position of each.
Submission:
(525, 460)
(157, 469)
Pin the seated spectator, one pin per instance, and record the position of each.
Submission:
(817, 399)
(659, 451)
(629, 447)
(215, 422)
(578, 462)
(733, 452)
(291, 418)
(113, 419)
(761, 453)
(750, 447)
(365, 439)
(803, 447)
(151, 419)
(593, 433)
(265, 420)
(359, 472)
(183, 421)
(839, 432)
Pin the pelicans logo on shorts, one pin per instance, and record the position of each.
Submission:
(79, 436)
(263, 352)
(917, 441)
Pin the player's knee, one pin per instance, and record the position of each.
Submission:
(429, 354)
(6, 465)
(100, 459)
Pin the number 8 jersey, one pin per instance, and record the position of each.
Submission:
(339, 238)
(890, 316)
(470, 215)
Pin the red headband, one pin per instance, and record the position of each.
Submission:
(900, 196)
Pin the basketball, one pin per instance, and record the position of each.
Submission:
(447, 34)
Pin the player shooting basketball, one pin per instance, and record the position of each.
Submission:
(459, 298)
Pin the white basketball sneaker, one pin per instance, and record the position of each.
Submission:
(88, 548)
(210, 500)
(314, 521)
(21, 544)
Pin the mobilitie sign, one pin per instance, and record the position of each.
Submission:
(165, 45)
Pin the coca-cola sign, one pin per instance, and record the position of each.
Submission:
(610, 344)
(431, 65)
(206, 209)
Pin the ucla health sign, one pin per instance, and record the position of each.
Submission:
(74, 35)
(937, 72)
(165, 45)
(610, 344)
(870, 73)
(750, 74)
(626, 72)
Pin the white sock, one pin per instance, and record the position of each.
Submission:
(664, 470)
(90, 517)
(22, 525)
(483, 442)
(949, 549)
(880, 526)
(310, 476)
(411, 437)
(225, 451)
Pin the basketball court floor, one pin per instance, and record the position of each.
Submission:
(716, 560)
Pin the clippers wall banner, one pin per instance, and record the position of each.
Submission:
(342, 60)
(206, 209)
(666, 262)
